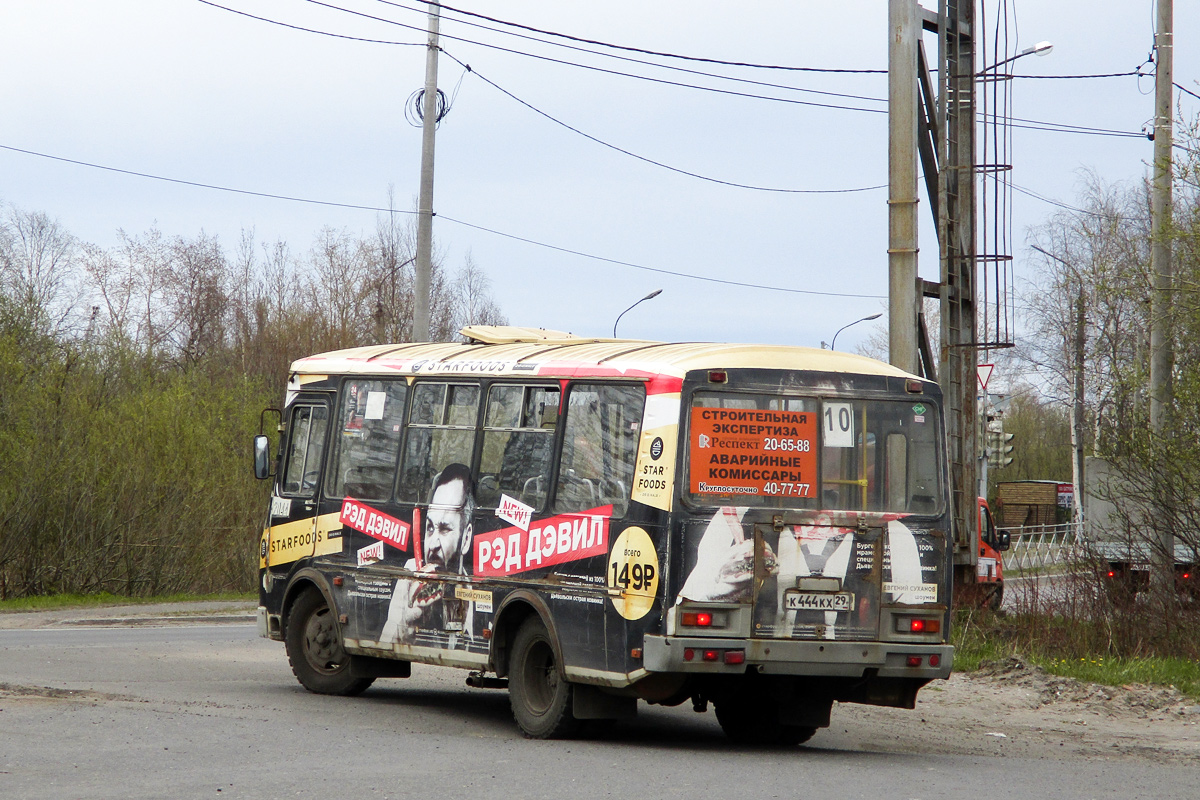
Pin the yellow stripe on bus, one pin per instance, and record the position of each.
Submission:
(298, 539)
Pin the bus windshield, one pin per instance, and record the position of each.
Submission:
(833, 454)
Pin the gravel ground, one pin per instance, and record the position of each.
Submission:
(1005, 708)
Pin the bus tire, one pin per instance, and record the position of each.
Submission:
(747, 722)
(795, 734)
(313, 640)
(540, 695)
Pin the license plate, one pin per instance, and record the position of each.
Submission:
(818, 601)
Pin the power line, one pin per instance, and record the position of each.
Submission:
(1076, 77)
(1062, 127)
(1058, 203)
(1186, 91)
(603, 70)
(644, 51)
(660, 271)
(1051, 127)
(380, 209)
(309, 30)
(557, 121)
(622, 150)
(199, 184)
(655, 64)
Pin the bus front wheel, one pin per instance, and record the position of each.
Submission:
(540, 695)
(314, 646)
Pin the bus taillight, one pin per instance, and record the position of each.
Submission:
(696, 619)
(918, 625)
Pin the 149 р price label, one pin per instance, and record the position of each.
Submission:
(737, 451)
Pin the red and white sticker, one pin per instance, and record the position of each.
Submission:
(375, 523)
(514, 511)
(370, 553)
(557, 540)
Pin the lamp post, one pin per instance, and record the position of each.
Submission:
(833, 344)
(1039, 49)
(650, 296)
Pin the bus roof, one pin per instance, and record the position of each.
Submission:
(516, 351)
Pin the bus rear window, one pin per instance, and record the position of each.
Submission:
(842, 454)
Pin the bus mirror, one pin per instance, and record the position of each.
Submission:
(1005, 540)
(262, 457)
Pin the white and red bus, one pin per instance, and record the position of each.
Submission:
(594, 522)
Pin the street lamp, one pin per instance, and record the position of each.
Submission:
(650, 296)
(1039, 49)
(832, 345)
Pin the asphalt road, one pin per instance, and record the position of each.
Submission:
(211, 710)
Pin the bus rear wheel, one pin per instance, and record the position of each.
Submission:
(314, 646)
(540, 695)
(753, 717)
(748, 722)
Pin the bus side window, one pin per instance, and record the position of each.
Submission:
(518, 442)
(367, 444)
(306, 446)
(599, 447)
(441, 432)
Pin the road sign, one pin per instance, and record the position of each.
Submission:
(984, 371)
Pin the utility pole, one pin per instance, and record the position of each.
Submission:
(904, 29)
(423, 266)
(1161, 352)
(1077, 408)
(942, 134)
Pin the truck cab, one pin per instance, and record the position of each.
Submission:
(983, 587)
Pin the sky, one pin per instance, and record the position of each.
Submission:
(186, 90)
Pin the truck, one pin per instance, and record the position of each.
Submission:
(1121, 542)
(981, 585)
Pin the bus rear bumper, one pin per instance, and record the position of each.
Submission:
(791, 657)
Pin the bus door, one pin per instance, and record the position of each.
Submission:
(291, 532)
(820, 579)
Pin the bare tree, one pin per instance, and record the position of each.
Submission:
(1089, 298)
(39, 268)
(472, 288)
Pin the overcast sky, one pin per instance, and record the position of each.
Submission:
(185, 90)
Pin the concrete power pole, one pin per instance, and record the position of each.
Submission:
(1161, 351)
(939, 128)
(904, 29)
(423, 266)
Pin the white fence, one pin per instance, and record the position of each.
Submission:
(1041, 546)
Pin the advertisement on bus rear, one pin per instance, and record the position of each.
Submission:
(764, 452)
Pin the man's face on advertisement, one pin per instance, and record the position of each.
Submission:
(447, 533)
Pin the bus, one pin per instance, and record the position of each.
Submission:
(593, 522)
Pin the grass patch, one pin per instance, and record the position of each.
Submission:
(1073, 648)
(56, 601)
(1184, 675)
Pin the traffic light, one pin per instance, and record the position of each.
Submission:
(999, 444)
